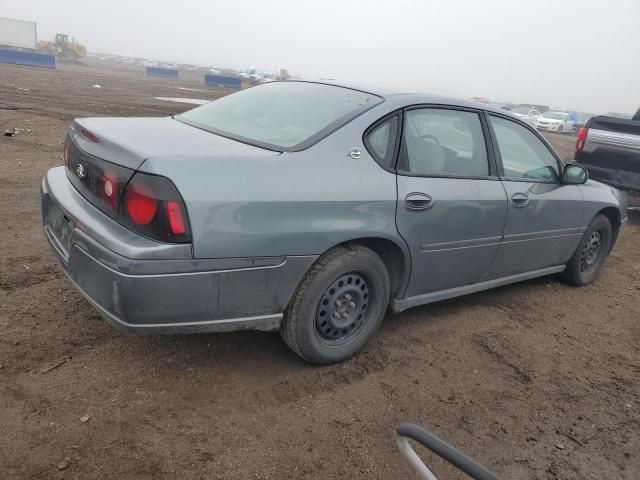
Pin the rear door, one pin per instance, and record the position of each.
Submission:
(451, 204)
(543, 217)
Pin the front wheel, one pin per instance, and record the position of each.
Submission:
(593, 249)
(338, 306)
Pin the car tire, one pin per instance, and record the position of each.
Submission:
(338, 305)
(560, 130)
(593, 249)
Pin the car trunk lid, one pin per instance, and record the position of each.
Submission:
(103, 154)
(130, 141)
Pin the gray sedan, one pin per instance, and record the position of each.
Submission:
(311, 209)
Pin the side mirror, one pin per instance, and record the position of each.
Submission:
(574, 175)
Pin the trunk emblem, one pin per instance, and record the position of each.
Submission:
(81, 171)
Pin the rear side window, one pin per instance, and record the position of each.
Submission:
(443, 142)
(524, 155)
(381, 141)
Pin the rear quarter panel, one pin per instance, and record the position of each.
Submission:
(296, 203)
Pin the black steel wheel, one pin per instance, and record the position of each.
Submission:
(584, 265)
(343, 309)
(591, 251)
(338, 306)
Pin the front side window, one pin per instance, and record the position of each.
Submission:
(524, 155)
(280, 114)
(443, 142)
(381, 141)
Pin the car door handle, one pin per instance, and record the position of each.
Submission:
(418, 201)
(520, 199)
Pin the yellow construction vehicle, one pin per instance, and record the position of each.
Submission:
(63, 48)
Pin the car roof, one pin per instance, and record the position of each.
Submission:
(410, 98)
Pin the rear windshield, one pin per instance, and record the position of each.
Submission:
(280, 115)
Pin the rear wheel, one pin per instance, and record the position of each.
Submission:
(593, 249)
(338, 306)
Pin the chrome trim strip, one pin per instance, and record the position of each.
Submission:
(183, 274)
(488, 241)
(459, 244)
(520, 237)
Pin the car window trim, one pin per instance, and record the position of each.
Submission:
(396, 142)
(491, 160)
(498, 155)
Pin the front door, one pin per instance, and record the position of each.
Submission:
(451, 206)
(543, 217)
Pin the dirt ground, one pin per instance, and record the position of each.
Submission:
(535, 380)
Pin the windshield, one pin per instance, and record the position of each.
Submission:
(555, 115)
(280, 114)
(521, 111)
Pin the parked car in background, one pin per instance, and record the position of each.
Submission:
(559, 122)
(540, 108)
(609, 148)
(527, 114)
(310, 208)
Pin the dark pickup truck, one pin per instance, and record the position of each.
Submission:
(609, 148)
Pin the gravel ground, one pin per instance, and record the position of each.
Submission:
(535, 380)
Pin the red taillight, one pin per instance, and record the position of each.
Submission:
(141, 203)
(582, 138)
(153, 207)
(109, 189)
(90, 136)
(176, 222)
(66, 151)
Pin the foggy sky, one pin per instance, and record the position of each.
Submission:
(581, 54)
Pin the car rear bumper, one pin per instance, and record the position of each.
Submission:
(146, 287)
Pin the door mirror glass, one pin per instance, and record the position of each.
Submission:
(574, 174)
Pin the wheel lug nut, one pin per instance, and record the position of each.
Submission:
(337, 315)
(352, 305)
